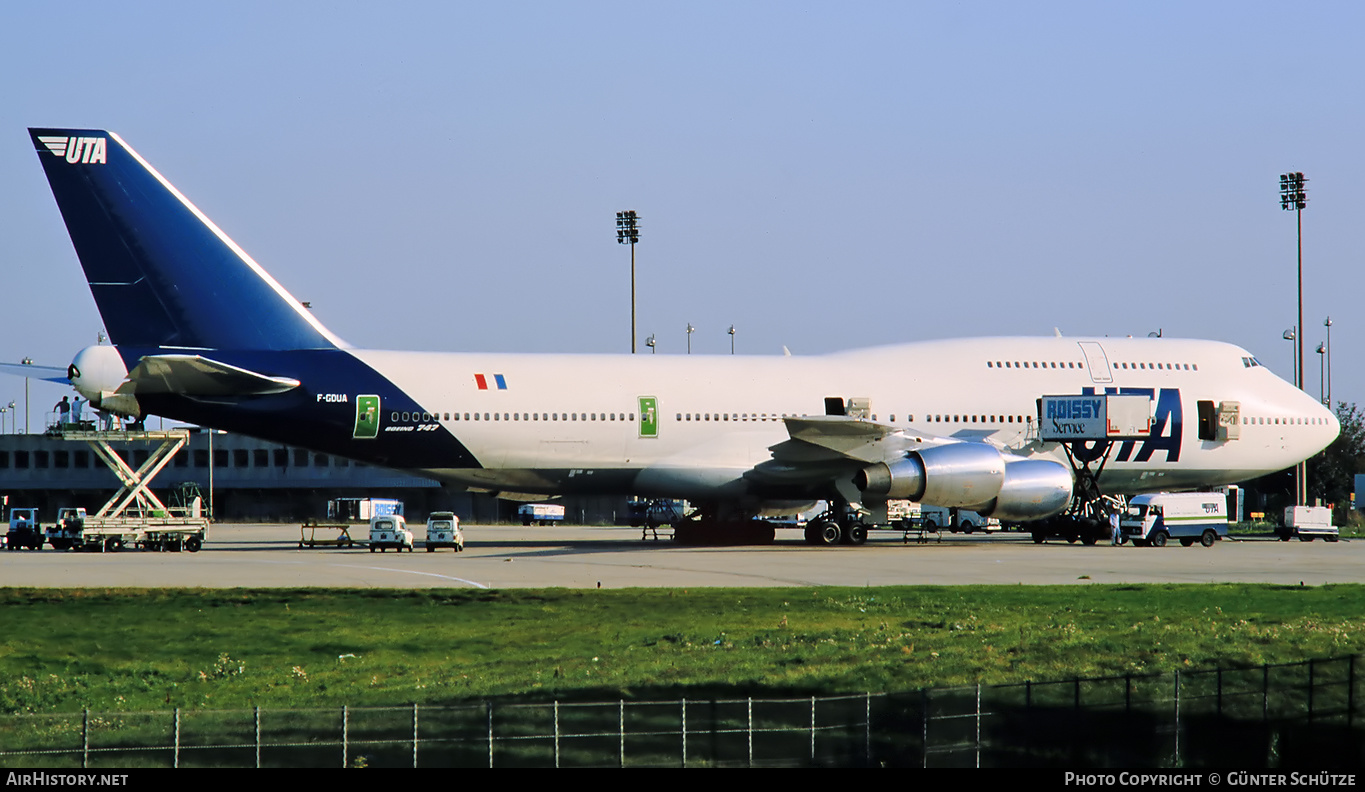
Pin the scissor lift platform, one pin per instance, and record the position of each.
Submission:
(134, 517)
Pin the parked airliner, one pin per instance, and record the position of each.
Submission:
(201, 333)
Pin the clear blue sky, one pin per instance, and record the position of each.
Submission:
(822, 176)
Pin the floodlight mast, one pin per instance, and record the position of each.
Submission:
(1294, 197)
(1328, 324)
(628, 233)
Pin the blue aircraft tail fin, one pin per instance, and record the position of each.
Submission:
(162, 274)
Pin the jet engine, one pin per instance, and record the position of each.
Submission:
(96, 373)
(1033, 489)
(974, 476)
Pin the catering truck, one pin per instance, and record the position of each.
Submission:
(1191, 517)
(540, 513)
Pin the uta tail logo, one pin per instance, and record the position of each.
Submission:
(84, 150)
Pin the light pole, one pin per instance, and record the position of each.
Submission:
(1294, 197)
(649, 342)
(690, 331)
(1328, 324)
(1322, 378)
(14, 416)
(628, 233)
(732, 339)
(1289, 336)
(28, 361)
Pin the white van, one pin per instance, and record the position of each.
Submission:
(443, 530)
(1188, 516)
(389, 530)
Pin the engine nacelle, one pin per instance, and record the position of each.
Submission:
(975, 476)
(96, 373)
(1034, 489)
(957, 474)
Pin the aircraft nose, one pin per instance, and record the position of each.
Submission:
(1326, 424)
(1333, 422)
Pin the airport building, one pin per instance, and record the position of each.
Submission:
(244, 479)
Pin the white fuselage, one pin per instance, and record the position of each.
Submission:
(566, 423)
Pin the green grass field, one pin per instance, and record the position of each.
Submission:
(64, 650)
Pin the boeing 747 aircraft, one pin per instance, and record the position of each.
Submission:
(201, 333)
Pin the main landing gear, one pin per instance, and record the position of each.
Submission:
(840, 525)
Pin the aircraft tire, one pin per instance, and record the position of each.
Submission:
(1187, 541)
(1208, 538)
(828, 533)
(855, 534)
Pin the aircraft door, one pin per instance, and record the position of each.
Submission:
(1096, 361)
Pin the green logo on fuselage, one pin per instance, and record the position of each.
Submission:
(649, 416)
(366, 417)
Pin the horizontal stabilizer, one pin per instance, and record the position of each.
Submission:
(195, 375)
(44, 373)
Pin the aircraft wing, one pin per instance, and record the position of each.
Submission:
(836, 446)
(196, 375)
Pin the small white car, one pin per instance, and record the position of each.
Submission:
(443, 530)
(389, 530)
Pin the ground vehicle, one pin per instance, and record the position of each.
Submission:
(1188, 516)
(362, 509)
(443, 530)
(1308, 523)
(540, 513)
(24, 530)
(66, 534)
(653, 512)
(389, 530)
(956, 520)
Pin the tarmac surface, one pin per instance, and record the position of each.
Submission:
(258, 556)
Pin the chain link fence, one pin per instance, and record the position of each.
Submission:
(1266, 716)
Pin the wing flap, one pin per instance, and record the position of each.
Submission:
(829, 438)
